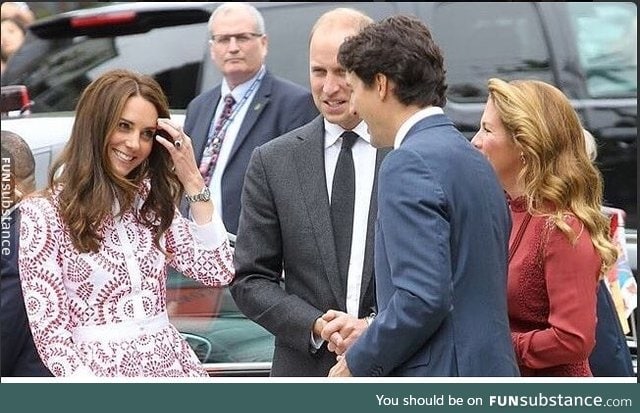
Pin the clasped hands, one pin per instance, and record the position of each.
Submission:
(340, 330)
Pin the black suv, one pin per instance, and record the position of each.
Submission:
(586, 49)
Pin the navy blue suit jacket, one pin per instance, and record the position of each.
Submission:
(278, 106)
(19, 355)
(441, 247)
(610, 356)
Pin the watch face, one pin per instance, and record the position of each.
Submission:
(206, 195)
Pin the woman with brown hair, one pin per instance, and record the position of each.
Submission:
(95, 244)
(560, 242)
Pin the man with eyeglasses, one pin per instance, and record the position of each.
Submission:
(250, 107)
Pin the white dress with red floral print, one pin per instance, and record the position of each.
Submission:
(104, 313)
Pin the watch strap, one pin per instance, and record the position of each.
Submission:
(202, 196)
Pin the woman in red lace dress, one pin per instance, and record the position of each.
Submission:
(560, 241)
(95, 244)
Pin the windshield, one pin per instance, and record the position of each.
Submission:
(607, 35)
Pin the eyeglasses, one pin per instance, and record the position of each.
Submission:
(241, 38)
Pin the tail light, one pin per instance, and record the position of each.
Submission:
(15, 98)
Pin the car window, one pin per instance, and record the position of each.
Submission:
(64, 67)
(607, 38)
(489, 40)
(298, 20)
(213, 325)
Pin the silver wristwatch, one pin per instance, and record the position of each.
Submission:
(203, 196)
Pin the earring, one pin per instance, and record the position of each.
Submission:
(522, 158)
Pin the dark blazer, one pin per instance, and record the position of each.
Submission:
(610, 356)
(19, 355)
(278, 106)
(285, 225)
(440, 262)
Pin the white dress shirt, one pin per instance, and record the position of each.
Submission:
(215, 185)
(364, 159)
(413, 119)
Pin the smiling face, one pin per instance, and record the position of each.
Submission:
(329, 87)
(132, 140)
(365, 101)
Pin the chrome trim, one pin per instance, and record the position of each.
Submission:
(257, 369)
(631, 236)
(201, 342)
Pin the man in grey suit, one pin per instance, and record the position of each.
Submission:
(287, 222)
(443, 226)
(225, 131)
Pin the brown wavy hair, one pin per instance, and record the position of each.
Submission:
(87, 184)
(557, 171)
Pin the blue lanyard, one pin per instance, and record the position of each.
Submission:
(236, 109)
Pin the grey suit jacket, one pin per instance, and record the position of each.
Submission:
(278, 106)
(285, 225)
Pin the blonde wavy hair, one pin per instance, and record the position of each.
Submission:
(557, 170)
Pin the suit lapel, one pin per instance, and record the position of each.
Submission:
(367, 270)
(309, 158)
(257, 105)
(202, 126)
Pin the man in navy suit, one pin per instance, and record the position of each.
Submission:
(264, 106)
(443, 226)
(19, 355)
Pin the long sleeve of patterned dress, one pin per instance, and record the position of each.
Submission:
(195, 247)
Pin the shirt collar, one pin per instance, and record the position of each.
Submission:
(239, 91)
(333, 132)
(413, 119)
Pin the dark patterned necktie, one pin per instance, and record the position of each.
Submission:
(343, 194)
(208, 163)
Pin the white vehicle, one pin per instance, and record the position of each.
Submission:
(46, 136)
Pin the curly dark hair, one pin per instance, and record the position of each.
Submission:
(401, 48)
